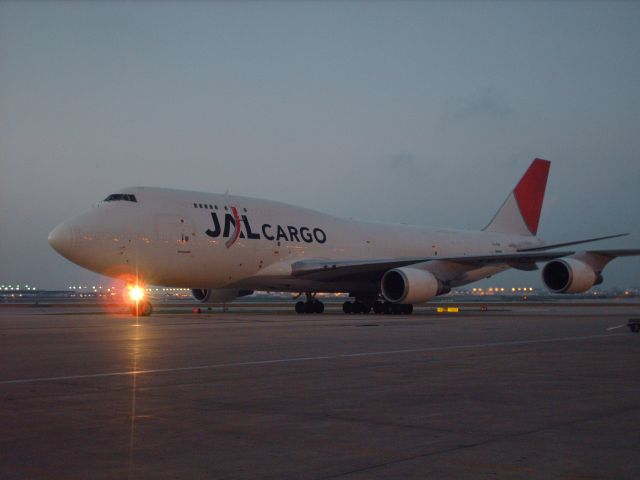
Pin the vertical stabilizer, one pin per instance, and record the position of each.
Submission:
(520, 212)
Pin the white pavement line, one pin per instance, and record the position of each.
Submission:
(309, 359)
(614, 328)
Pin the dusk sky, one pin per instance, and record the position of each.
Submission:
(420, 112)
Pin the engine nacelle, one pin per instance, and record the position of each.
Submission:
(569, 275)
(409, 285)
(218, 295)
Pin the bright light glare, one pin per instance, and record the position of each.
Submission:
(136, 293)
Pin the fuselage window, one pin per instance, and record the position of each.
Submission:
(195, 205)
(114, 197)
(200, 205)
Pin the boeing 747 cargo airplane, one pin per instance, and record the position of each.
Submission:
(225, 246)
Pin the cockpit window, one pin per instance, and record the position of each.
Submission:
(121, 196)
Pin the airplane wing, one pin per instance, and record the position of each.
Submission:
(567, 244)
(331, 270)
(629, 252)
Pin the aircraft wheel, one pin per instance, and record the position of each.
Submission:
(300, 307)
(378, 307)
(318, 307)
(365, 308)
(147, 308)
(347, 307)
(387, 308)
(407, 309)
(141, 309)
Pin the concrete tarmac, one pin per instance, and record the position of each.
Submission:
(528, 392)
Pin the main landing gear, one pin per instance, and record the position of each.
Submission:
(378, 307)
(311, 305)
(358, 306)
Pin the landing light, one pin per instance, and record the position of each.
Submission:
(136, 293)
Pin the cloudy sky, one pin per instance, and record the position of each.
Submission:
(417, 112)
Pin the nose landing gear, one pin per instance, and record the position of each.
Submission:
(142, 308)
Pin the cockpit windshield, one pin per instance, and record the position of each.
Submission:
(121, 196)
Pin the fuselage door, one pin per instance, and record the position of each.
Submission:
(184, 235)
(175, 232)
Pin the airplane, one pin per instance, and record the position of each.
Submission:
(224, 246)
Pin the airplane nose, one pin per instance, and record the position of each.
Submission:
(61, 239)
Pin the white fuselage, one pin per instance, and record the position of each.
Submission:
(186, 239)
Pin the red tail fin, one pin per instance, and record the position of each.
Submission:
(520, 213)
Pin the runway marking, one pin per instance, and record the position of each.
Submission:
(309, 359)
(616, 327)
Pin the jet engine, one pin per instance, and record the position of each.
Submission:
(218, 295)
(569, 275)
(409, 285)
